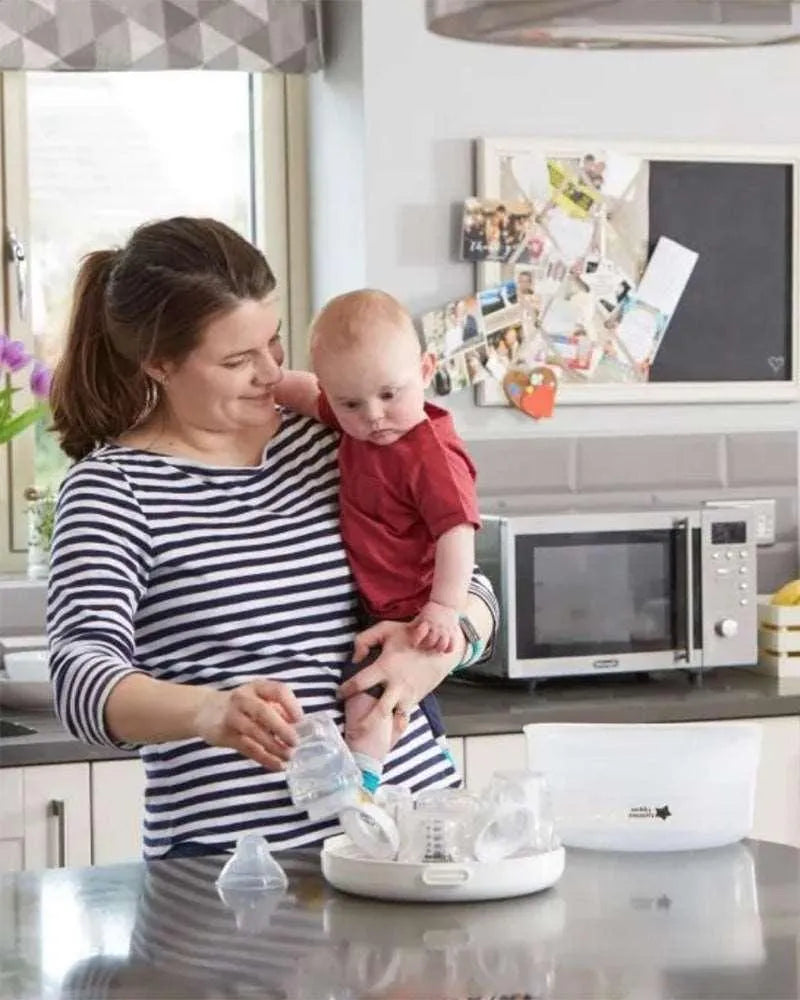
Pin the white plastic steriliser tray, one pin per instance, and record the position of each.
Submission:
(346, 868)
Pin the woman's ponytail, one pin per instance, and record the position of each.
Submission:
(96, 393)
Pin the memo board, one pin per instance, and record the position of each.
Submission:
(734, 333)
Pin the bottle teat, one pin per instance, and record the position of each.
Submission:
(252, 867)
(252, 883)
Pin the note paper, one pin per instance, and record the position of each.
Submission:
(646, 313)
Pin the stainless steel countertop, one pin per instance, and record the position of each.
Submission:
(716, 923)
(471, 710)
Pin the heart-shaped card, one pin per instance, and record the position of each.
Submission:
(532, 390)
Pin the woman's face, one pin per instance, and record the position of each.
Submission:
(226, 383)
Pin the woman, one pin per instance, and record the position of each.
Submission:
(199, 596)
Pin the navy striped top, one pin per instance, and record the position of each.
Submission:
(201, 574)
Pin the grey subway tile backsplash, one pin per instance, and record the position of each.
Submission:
(649, 462)
(658, 469)
(22, 605)
(524, 466)
(762, 459)
(776, 564)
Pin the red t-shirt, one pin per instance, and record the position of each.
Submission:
(395, 501)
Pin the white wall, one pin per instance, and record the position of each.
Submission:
(336, 138)
(425, 98)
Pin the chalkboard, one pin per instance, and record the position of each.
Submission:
(734, 321)
(734, 334)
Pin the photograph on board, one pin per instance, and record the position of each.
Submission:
(492, 229)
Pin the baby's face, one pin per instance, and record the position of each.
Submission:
(377, 391)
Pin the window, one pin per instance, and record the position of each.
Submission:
(88, 156)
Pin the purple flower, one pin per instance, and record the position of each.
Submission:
(40, 380)
(13, 354)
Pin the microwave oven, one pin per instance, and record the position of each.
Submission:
(601, 593)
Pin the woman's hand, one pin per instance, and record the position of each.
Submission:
(407, 674)
(256, 719)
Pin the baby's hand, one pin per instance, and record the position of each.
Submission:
(436, 627)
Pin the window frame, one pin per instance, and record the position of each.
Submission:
(281, 230)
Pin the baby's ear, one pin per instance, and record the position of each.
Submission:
(428, 365)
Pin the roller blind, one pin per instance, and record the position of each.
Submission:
(252, 35)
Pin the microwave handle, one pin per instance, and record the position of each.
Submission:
(685, 524)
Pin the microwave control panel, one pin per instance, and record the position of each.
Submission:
(729, 586)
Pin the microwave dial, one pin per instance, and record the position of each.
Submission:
(728, 628)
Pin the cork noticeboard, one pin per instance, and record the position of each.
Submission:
(733, 336)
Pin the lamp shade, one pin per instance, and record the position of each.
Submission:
(617, 23)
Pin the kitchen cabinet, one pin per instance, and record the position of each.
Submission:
(70, 814)
(777, 808)
(485, 754)
(12, 820)
(44, 817)
(117, 810)
(455, 744)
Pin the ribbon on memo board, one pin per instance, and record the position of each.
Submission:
(251, 35)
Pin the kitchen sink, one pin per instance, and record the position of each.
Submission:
(9, 729)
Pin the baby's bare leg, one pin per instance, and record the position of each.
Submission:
(371, 745)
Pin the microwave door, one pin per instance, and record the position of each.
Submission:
(688, 594)
(605, 600)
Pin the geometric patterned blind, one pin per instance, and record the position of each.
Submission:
(252, 35)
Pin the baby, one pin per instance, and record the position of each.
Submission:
(408, 509)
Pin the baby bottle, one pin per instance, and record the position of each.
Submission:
(325, 780)
(322, 776)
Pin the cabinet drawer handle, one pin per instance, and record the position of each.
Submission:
(56, 808)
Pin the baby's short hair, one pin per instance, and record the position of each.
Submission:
(354, 318)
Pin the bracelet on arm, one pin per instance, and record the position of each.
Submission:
(475, 644)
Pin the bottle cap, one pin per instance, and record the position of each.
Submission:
(372, 830)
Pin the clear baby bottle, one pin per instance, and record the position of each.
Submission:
(324, 780)
(322, 776)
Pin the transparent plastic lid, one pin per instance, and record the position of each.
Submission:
(372, 830)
